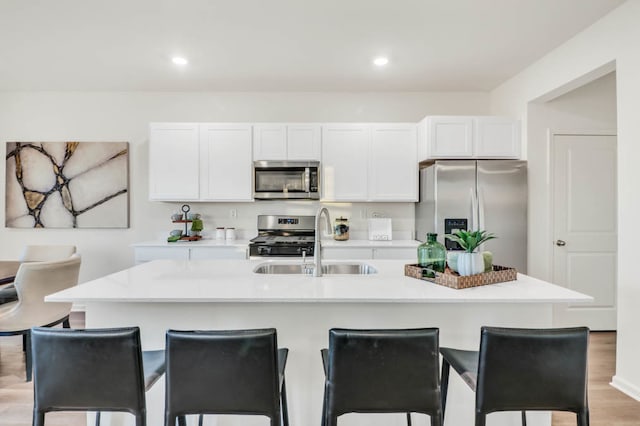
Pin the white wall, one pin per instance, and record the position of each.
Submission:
(589, 109)
(124, 116)
(612, 41)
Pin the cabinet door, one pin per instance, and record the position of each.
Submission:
(173, 161)
(269, 142)
(450, 137)
(303, 142)
(225, 162)
(497, 137)
(345, 161)
(393, 172)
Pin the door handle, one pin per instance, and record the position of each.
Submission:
(561, 243)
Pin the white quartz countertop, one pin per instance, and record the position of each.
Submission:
(219, 281)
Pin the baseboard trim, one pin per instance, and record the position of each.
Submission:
(626, 387)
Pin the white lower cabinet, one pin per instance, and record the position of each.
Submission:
(204, 253)
(340, 253)
(398, 253)
(363, 253)
(148, 253)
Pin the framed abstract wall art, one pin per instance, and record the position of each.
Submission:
(67, 185)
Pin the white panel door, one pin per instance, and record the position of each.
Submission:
(173, 161)
(393, 171)
(585, 227)
(225, 162)
(270, 142)
(345, 161)
(303, 142)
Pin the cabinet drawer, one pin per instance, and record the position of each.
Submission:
(344, 253)
(214, 253)
(145, 254)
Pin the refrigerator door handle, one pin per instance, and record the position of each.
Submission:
(474, 216)
(480, 209)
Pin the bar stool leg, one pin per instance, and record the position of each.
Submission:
(480, 419)
(283, 402)
(98, 418)
(444, 384)
(408, 419)
(524, 418)
(583, 418)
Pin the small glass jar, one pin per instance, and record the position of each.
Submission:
(341, 229)
(432, 256)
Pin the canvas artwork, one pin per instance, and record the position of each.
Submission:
(67, 185)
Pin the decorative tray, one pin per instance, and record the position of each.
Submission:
(451, 279)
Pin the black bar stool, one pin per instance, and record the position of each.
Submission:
(92, 370)
(225, 372)
(524, 369)
(381, 371)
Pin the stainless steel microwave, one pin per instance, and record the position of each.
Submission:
(277, 180)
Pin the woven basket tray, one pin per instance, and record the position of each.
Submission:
(451, 279)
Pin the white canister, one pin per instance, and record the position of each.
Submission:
(230, 233)
(220, 235)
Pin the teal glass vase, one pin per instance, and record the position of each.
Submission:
(432, 256)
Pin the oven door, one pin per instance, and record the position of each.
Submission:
(285, 180)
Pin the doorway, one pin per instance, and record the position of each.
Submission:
(584, 226)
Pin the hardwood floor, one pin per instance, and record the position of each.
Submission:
(609, 407)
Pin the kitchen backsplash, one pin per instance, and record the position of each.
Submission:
(243, 216)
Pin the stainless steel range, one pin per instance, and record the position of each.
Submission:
(285, 236)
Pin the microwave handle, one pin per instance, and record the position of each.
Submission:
(307, 179)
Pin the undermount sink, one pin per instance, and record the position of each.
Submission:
(329, 269)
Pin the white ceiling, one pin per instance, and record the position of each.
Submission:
(281, 45)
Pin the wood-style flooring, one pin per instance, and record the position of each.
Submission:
(609, 407)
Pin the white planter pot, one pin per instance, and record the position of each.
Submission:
(470, 263)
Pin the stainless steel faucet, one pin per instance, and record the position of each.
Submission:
(317, 255)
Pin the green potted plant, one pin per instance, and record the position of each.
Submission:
(470, 261)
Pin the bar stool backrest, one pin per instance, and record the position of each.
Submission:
(383, 371)
(222, 372)
(528, 369)
(88, 370)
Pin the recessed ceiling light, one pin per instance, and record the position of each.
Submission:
(179, 60)
(381, 61)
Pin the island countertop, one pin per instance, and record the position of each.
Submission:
(234, 281)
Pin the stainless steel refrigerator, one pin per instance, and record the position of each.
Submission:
(477, 194)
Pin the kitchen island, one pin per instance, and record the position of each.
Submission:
(227, 294)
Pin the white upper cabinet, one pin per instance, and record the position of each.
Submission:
(225, 162)
(173, 161)
(497, 137)
(345, 162)
(393, 171)
(286, 142)
(200, 162)
(369, 162)
(451, 137)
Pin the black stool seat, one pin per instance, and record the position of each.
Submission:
(381, 371)
(91, 370)
(523, 370)
(153, 367)
(465, 363)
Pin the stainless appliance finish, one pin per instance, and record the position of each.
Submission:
(283, 236)
(309, 269)
(477, 194)
(277, 180)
